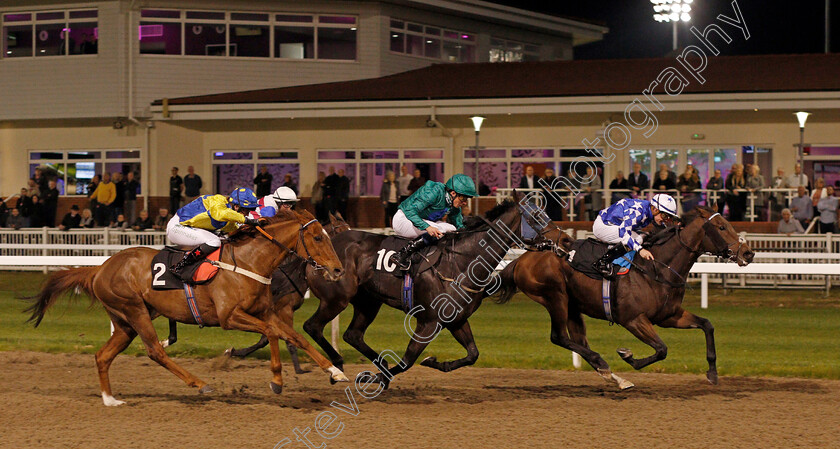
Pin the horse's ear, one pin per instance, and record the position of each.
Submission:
(517, 196)
(340, 217)
(332, 218)
(306, 214)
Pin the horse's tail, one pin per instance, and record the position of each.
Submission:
(508, 287)
(78, 279)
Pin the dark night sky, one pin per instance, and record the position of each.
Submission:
(778, 27)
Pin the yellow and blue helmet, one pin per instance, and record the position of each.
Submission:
(244, 197)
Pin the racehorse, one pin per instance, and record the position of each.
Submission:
(233, 300)
(444, 296)
(288, 285)
(650, 294)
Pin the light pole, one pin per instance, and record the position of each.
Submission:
(801, 117)
(672, 11)
(477, 120)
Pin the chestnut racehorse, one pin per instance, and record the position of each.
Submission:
(233, 300)
(651, 294)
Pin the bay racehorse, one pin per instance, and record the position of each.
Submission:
(445, 295)
(650, 294)
(123, 284)
(288, 285)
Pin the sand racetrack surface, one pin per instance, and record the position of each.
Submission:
(52, 401)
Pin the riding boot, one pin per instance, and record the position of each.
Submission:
(192, 257)
(605, 264)
(402, 258)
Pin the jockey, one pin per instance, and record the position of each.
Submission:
(419, 215)
(193, 224)
(619, 222)
(285, 198)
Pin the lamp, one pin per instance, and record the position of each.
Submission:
(801, 117)
(477, 120)
(672, 11)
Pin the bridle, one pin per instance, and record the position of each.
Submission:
(308, 259)
(721, 248)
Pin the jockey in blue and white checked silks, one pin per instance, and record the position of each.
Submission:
(619, 223)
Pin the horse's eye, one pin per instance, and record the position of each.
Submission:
(318, 238)
(722, 227)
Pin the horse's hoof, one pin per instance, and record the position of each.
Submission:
(712, 378)
(625, 384)
(336, 375)
(164, 343)
(624, 353)
(228, 352)
(277, 389)
(207, 389)
(430, 361)
(110, 401)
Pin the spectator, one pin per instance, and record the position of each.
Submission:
(4, 212)
(798, 178)
(36, 218)
(318, 197)
(736, 194)
(192, 185)
(553, 208)
(50, 200)
(118, 206)
(671, 175)
(789, 226)
(389, 195)
(32, 188)
(776, 198)
(105, 194)
(404, 180)
(716, 183)
(24, 206)
(638, 181)
(16, 220)
(331, 191)
(42, 181)
(663, 182)
(592, 199)
(289, 182)
(87, 219)
(819, 191)
(263, 182)
(827, 206)
(342, 193)
(755, 182)
(416, 182)
(161, 220)
(176, 187)
(130, 204)
(687, 183)
(802, 207)
(619, 183)
(119, 223)
(71, 220)
(143, 222)
(91, 187)
(529, 181)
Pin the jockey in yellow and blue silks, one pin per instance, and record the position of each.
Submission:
(194, 224)
(419, 215)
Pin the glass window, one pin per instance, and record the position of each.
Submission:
(415, 28)
(294, 42)
(337, 43)
(203, 15)
(380, 155)
(414, 45)
(84, 38)
(426, 41)
(398, 42)
(17, 41)
(423, 154)
(277, 155)
(231, 156)
(250, 40)
(432, 48)
(50, 39)
(641, 157)
(375, 164)
(231, 176)
(50, 15)
(699, 159)
(485, 154)
(238, 168)
(205, 39)
(492, 174)
(724, 160)
(398, 24)
(336, 155)
(73, 169)
(160, 14)
(344, 20)
(161, 38)
(87, 14)
(122, 154)
(249, 17)
(349, 171)
(293, 18)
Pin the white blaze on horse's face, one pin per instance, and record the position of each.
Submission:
(325, 232)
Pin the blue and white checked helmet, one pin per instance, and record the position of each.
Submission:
(665, 204)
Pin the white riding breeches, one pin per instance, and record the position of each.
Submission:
(188, 236)
(405, 228)
(609, 233)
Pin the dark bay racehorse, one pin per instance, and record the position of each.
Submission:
(123, 284)
(288, 286)
(438, 301)
(651, 294)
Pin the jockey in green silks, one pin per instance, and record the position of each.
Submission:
(419, 216)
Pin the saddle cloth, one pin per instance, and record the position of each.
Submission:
(198, 273)
(390, 278)
(585, 253)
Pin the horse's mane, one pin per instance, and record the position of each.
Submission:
(475, 223)
(247, 232)
(661, 235)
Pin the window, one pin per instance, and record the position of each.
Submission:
(510, 51)
(50, 33)
(431, 42)
(367, 168)
(504, 168)
(231, 34)
(232, 169)
(74, 169)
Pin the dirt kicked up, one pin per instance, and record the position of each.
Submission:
(52, 401)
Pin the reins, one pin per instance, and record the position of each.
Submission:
(308, 259)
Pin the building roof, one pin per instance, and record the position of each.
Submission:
(726, 74)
